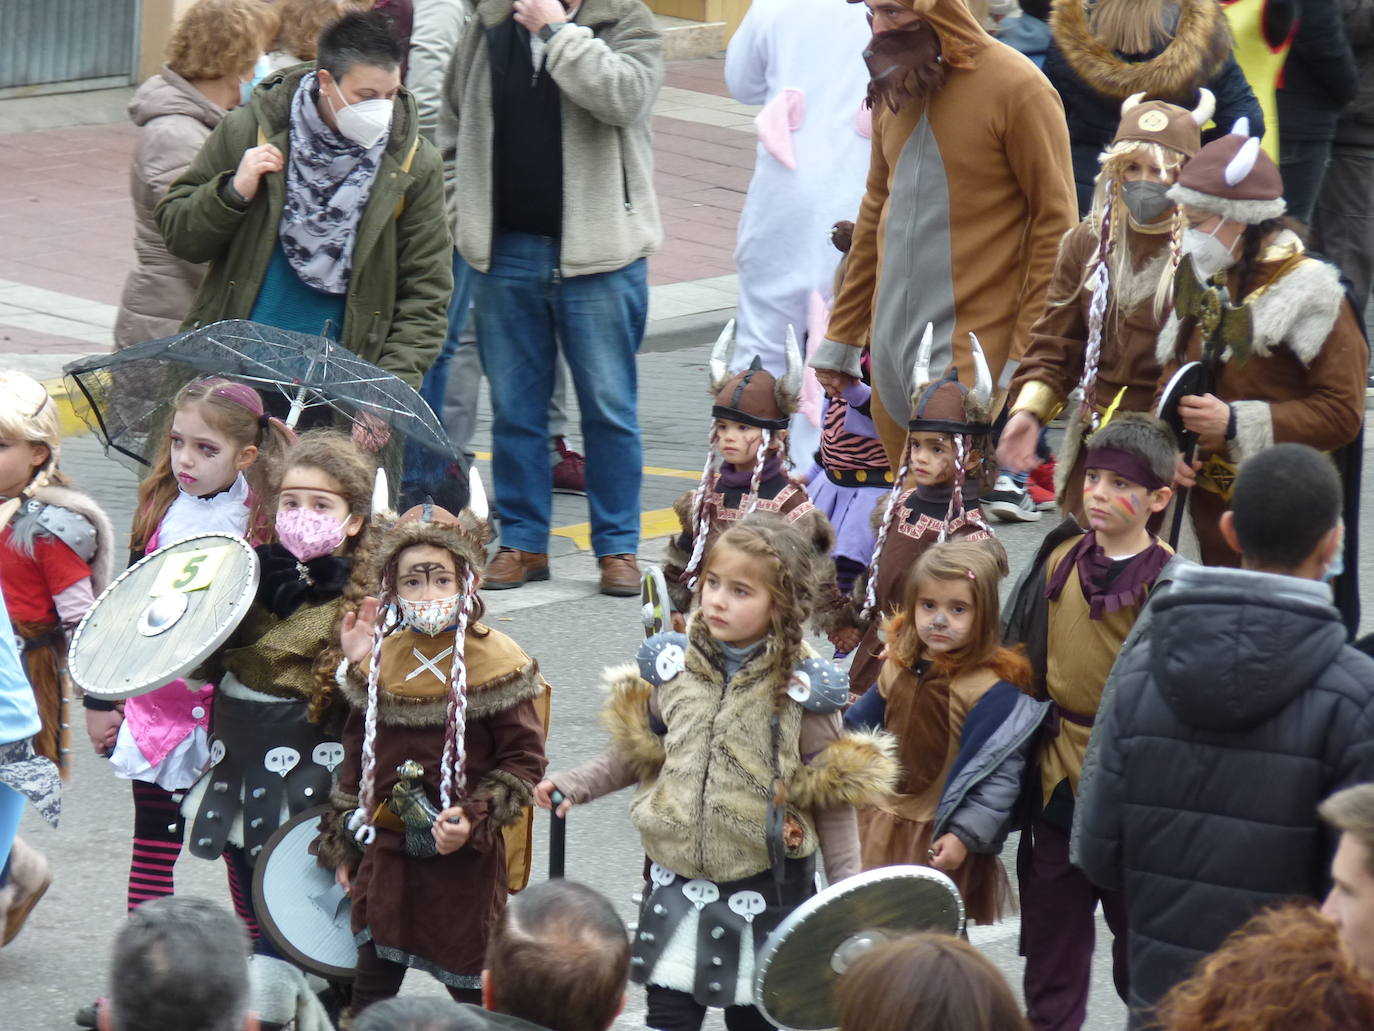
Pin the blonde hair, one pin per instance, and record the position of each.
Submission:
(28, 413)
(1131, 26)
(215, 38)
(980, 564)
(302, 21)
(237, 412)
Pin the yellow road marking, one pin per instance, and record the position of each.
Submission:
(658, 522)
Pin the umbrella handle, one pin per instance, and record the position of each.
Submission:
(297, 406)
(1181, 501)
(558, 837)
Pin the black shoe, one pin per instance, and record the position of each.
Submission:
(86, 1016)
(1010, 503)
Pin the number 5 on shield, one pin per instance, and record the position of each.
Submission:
(188, 571)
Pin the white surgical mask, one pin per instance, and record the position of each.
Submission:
(365, 122)
(1209, 254)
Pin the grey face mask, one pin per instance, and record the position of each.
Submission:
(1146, 201)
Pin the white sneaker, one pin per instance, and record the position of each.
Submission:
(1010, 503)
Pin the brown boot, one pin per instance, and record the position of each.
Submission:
(619, 575)
(514, 568)
(29, 877)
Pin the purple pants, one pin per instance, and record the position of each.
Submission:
(1058, 932)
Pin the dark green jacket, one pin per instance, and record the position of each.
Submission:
(397, 310)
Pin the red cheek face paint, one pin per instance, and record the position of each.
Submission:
(1127, 505)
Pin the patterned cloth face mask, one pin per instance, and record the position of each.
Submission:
(309, 535)
(432, 615)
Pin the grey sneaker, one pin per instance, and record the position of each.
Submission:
(1010, 503)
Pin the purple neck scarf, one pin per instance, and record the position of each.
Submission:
(731, 478)
(1129, 587)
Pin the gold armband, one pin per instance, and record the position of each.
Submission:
(1040, 400)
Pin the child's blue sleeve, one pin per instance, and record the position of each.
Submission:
(868, 713)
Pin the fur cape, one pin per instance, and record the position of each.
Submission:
(102, 562)
(1200, 45)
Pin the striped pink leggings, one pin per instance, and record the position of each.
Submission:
(158, 833)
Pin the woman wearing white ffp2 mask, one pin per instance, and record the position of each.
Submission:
(366, 119)
(1211, 241)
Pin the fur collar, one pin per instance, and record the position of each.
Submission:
(1201, 43)
(102, 563)
(1297, 310)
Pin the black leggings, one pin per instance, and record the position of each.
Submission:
(376, 979)
(671, 1010)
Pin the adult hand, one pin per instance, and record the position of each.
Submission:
(341, 875)
(451, 830)
(1185, 475)
(103, 728)
(535, 14)
(1208, 416)
(834, 383)
(543, 797)
(369, 432)
(256, 163)
(845, 639)
(948, 853)
(357, 630)
(1016, 448)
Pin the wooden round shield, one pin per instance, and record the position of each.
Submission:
(1191, 378)
(300, 906)
(802, 961)
(163, 616)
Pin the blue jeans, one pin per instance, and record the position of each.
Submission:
(525, 310)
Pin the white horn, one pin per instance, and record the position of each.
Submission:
(792, 378)
(1243, 163)
(921, 373)
(1206, 108)
(982, 375)
(477, 496)
(381, 495)
(1133, 100)
(1241, 127)
(720, 355)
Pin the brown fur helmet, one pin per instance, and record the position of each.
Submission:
(754, 396)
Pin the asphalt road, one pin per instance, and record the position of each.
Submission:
(59, 961)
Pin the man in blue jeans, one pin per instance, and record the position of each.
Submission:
(556, 216)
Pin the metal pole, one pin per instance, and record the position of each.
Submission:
(558, 838)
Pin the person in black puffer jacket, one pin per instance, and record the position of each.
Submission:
(1103, 51)
(1232, 711)
(1319, 79)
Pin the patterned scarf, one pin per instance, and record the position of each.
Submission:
(328, 181)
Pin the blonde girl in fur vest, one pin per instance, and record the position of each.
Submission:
(959, 705)
(733, 737)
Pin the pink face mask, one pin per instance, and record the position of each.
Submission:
(309, 535)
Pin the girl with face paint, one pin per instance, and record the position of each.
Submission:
(959, 706)
(1111, 291)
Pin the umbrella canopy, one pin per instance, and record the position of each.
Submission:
(125, 396)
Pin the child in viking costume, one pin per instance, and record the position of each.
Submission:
(1275, 333)
(1094, 348)
(444, 743)
(948, 457)
(959, 705)
(733, 734)
(274, 734)
(56, 549)
(213, 473)
(1073, 608)
(745, 466)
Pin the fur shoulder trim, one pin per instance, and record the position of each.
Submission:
(1200, 45)
(1167, 342)
(855, 769)
(1299, 310)
(626, 718)
(102, 563)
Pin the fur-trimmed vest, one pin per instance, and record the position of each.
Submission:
(79, 523)
(705, 774)
(1303, 380)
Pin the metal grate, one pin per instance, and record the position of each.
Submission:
(56, 41)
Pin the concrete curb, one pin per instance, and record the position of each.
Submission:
(685, 331)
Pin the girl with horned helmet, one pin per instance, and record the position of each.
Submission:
(444, 742)
(1093, 348)
(948, 458)
(56, 549)
(745, 466)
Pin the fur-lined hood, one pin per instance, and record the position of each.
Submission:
(1201, 43)
(467, 537)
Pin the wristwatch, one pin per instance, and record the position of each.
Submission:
(547, 32)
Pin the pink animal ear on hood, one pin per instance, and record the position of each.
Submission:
(775, 124)
(863, 121)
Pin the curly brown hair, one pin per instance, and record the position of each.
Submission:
(303, 20)
(1285, 970)
(215, 38)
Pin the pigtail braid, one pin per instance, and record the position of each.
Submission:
(455, 726)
